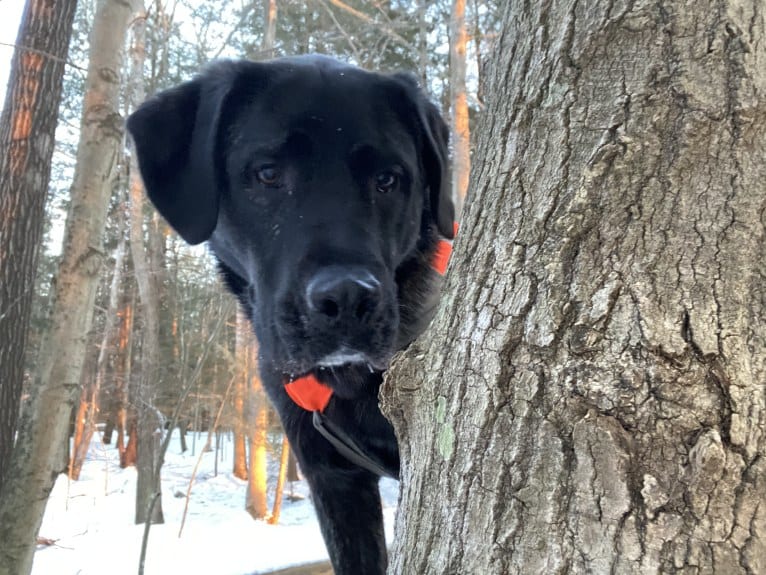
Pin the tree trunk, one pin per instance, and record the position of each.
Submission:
(270, 28)
(423, 52)
(89, 397)
(83, 421)
(128, 456)
(44, 431)
(281, 476)
(149, 422)
(27, 129)
(258, 411)
(590, 397)
(460, 129)
(119, 408)
(256, 503)
(243, 340)
(292, 468)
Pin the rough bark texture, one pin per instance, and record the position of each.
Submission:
(27, 129)
(591, 396)
(43, 433)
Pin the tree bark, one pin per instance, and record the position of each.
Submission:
(460, 129)
(27, 129)
(270, 28)
(281, 476)
(149, 421)
(255, 501)
(90, 394)
(43, 433)
(591, 395)
(243, 340)
(119, 407)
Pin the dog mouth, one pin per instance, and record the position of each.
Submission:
(344, 363)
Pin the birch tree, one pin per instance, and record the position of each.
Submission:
(591, 396)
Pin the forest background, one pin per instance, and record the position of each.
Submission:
(150, 339)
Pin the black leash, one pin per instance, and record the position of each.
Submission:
(347, 447)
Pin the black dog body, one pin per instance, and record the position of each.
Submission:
(322, 190)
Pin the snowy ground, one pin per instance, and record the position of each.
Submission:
(91, 521)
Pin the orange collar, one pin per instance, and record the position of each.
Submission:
(313, 395)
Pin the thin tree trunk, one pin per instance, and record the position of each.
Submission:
(148, 422)
(27, 129)
(292, 469)
(243, 341)
(121, 371)
(591, 396)
(255, 502)
(270, 28)
(461, 133)
(123, 376)
(90, 394)
(283, 464)
(129, 455)
(148, 419)
(423, 42)
(183, 425)
(79, 449)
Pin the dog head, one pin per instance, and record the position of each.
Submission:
(315, 183)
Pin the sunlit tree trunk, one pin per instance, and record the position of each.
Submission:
(89, 397)
(27, 128)
(121, 407)
(461, 133)
(270, 29)
(284, 459)
(122, 374)
(256, 503)
(79, 449)
(258, 420)
(591, 396)
(243, 341)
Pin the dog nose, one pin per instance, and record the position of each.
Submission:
(342, 294)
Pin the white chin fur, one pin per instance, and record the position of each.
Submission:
(342, 357)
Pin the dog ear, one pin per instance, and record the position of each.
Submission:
(176, 136)
(435, 156)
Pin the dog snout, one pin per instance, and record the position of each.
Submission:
(343, 295)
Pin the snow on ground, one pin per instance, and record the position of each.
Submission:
(91, 521)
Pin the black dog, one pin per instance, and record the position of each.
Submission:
(323, 191)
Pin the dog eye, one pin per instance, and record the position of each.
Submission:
(386, 181)
(268, 175)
